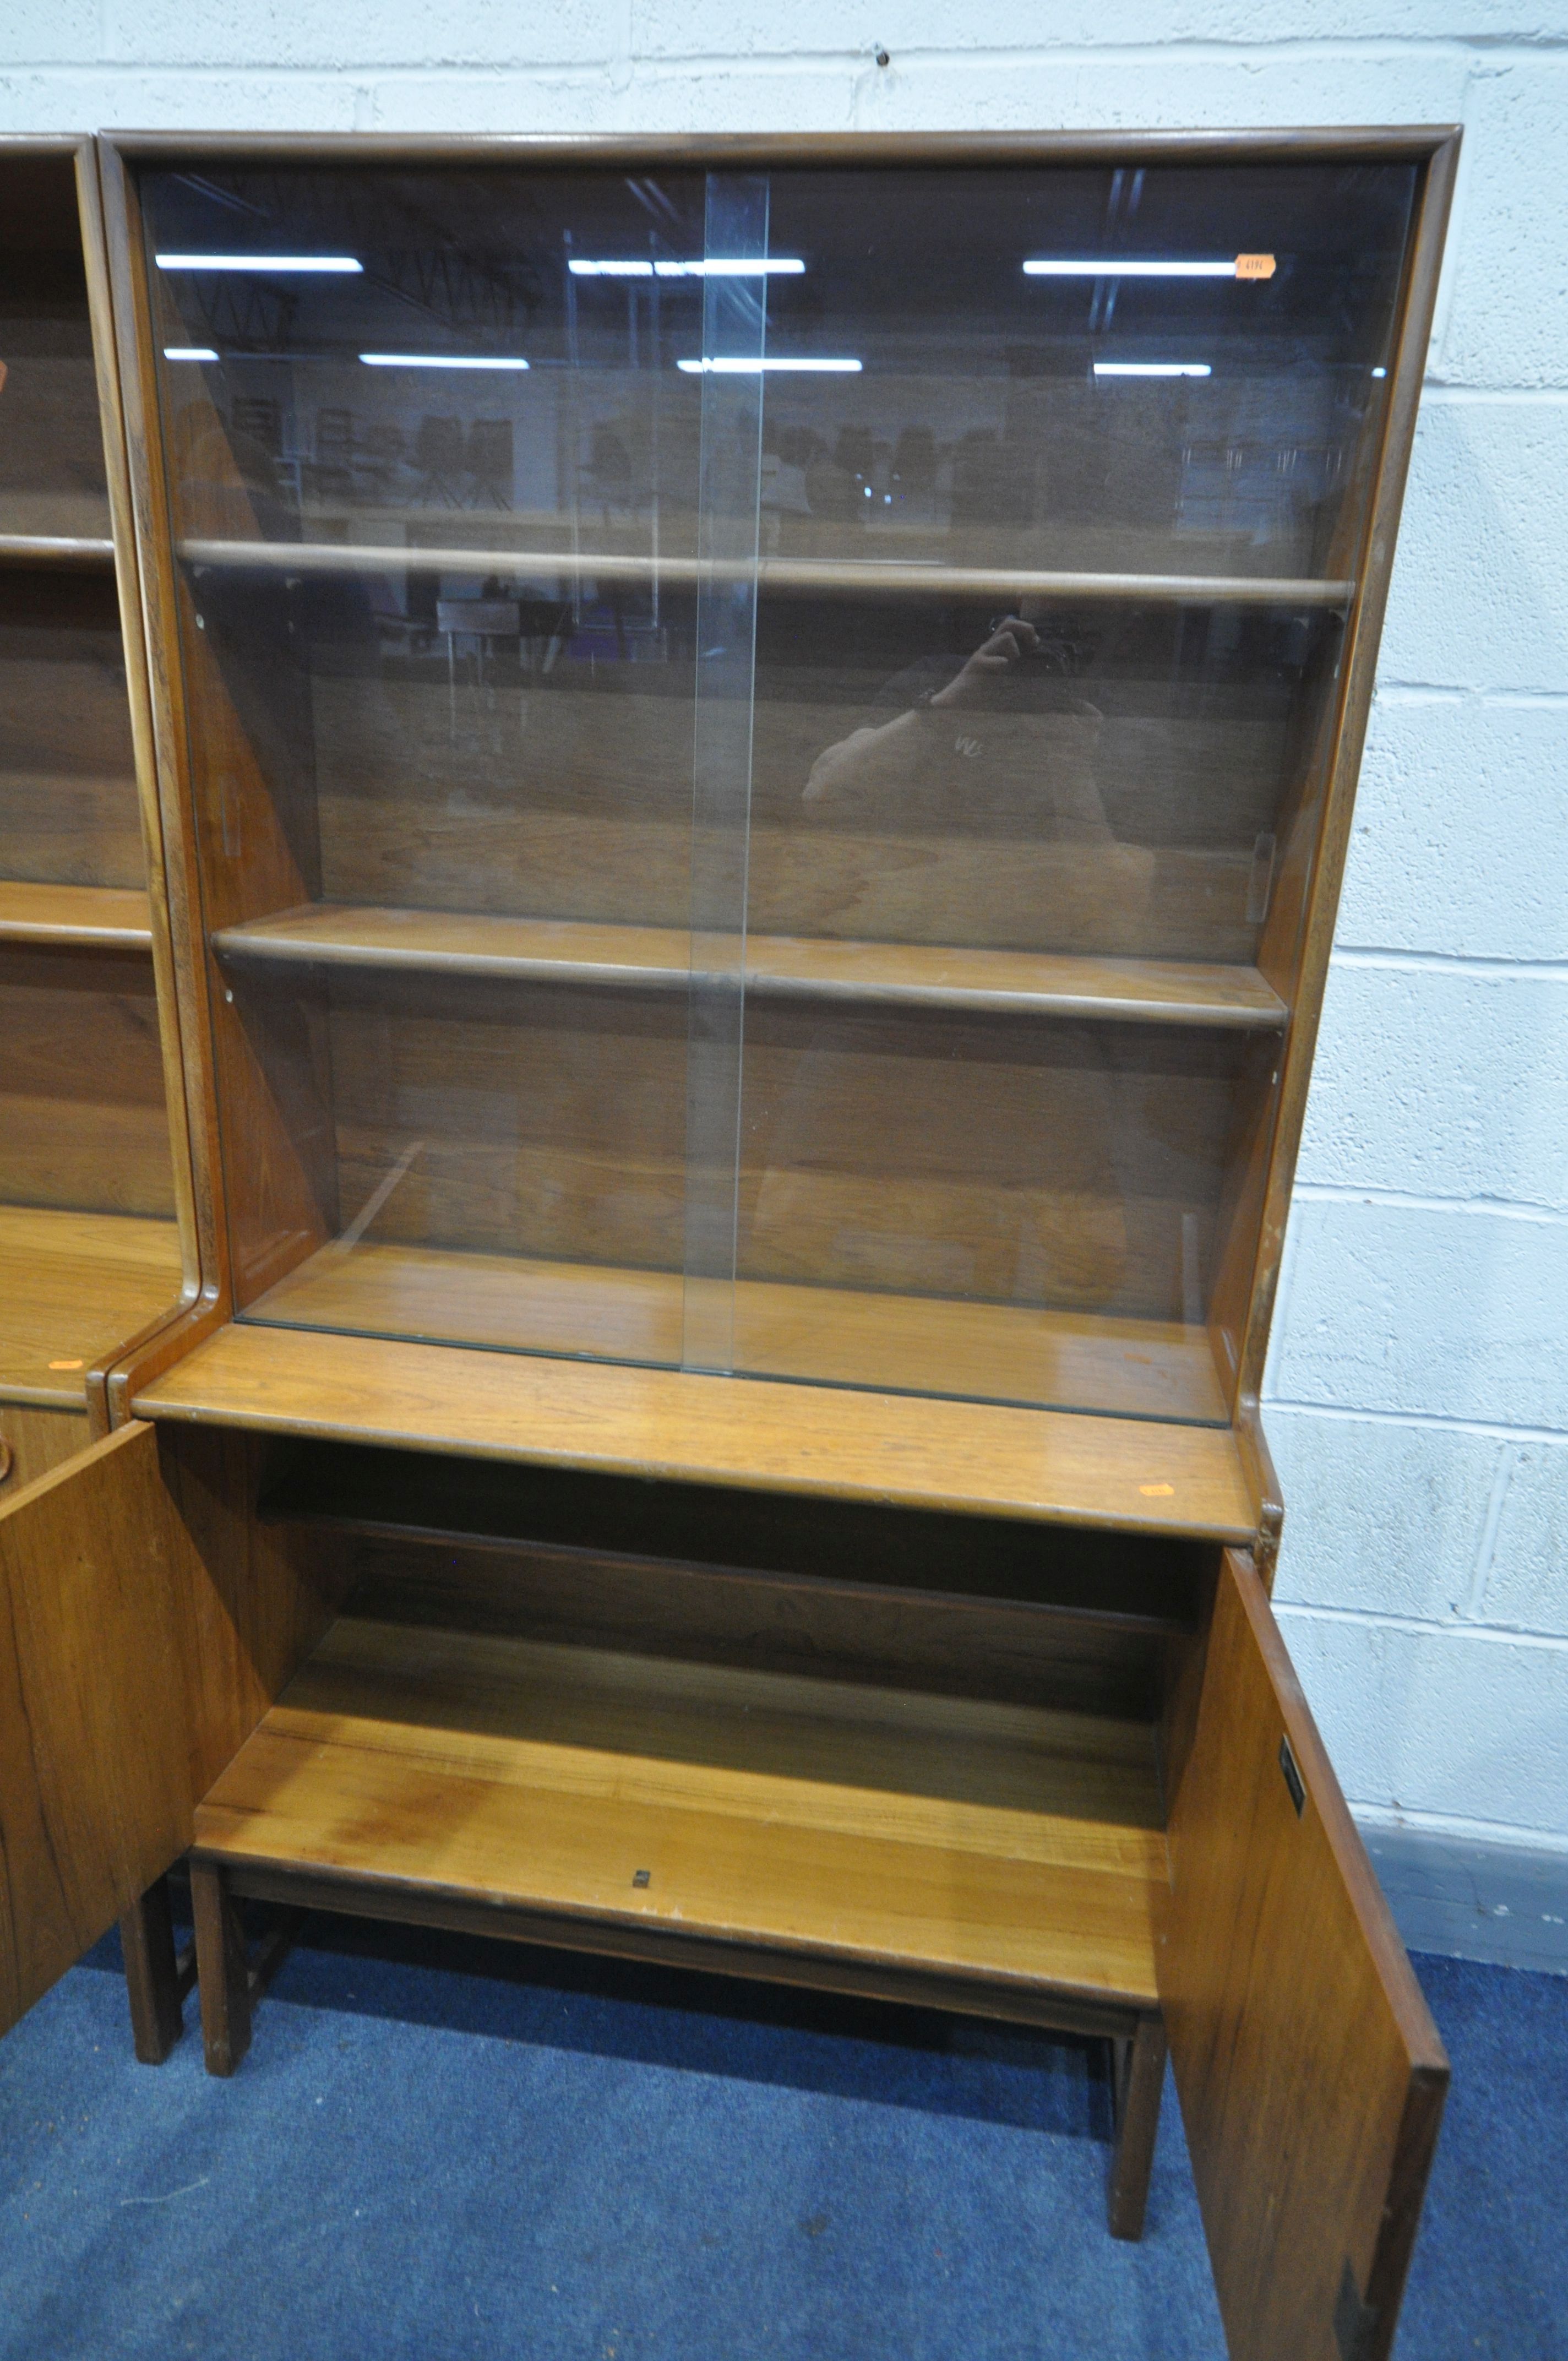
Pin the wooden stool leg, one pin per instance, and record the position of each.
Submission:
(1138, 2081)
(222, 1970)
(157, 1978)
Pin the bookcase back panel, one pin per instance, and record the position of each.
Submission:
(979, 1606)
(83, 1116)
(52, 441)
(68, 791)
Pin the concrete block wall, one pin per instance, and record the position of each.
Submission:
(1419, 1385)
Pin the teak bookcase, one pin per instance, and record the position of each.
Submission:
(755, 742)
(90, 1245)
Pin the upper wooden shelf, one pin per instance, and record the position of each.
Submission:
(60, 549)
(851, 578)
(100, 917)
(1050, 1467)
(564, 950)
(74, 1287)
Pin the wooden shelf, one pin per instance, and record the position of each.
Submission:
(934, 1834)
(848, 577)
(987, 1352)
(977, 1458)
(564, 950)
(102, 917)
(57, 549)
(73, 1287)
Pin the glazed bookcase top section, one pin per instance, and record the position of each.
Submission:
(758, 721)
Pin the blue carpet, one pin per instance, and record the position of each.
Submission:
(442, 2148)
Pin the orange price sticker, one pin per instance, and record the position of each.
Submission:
(65, 1365)
(1255, 265)
(1156, 1491)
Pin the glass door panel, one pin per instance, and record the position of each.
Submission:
(436, 475)
(1063, 481)
(760, 741)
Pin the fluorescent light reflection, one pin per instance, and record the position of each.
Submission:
(1153, 368)
(189, 353)
(444, 360)
(1113, 265)
(726, 365)
(719, 265)
(274, 262)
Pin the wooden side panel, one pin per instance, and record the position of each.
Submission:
(269, 1593)
(94, 1777)
(1311, 2074)
(145, 1628)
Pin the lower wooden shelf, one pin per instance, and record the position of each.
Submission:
(73, 1287)
(980, 1352)
(933, 1837)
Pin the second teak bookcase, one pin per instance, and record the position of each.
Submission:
(755, 741)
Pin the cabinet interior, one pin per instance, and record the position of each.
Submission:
(927, 1743)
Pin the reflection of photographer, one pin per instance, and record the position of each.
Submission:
(944, 709)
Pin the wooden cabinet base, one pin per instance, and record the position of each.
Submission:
(231, 1983)
(158, 1975)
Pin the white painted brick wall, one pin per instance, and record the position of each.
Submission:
(1421, 1371)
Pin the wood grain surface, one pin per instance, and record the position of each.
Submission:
(1311, 2074)
(1027, 1161)
(83, 1119)
(100, 917)
(1132, 1475)
(94, 1797)
(73, 1287)
(952, 1643)
(68, 788)
(37, 1441)
(146, 1622)
(988, 1841)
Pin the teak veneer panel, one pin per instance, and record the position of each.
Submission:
(565, 950)
(147, 1622)
(83, 1095)
(1311, 2073)
(103, 918)
(92, 1747)
(72, 1288)
(37, 1441)
(935, 1833)
(1133, 1475)
(989, 1352)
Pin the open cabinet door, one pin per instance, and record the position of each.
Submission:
(1310, 2075)
(101, 1591)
